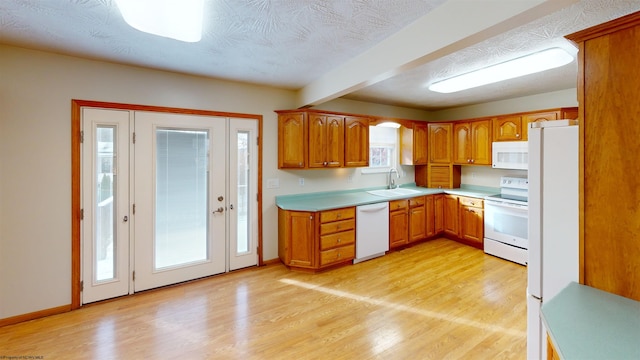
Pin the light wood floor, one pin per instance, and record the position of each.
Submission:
(436, 300)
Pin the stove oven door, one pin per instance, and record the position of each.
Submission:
(506, 222)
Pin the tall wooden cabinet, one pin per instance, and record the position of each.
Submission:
(608, 93)
(440, 171)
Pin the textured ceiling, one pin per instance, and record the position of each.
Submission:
(290, 44)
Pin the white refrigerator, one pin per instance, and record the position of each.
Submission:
(553, 221)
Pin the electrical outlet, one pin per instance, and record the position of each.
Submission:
(301, 181)
(350, 179)
(473, 175)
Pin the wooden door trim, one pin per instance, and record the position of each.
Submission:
(76, 106)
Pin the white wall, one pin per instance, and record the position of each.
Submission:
(486, 175)
(35, 158)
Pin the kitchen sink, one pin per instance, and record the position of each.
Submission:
(393, 192)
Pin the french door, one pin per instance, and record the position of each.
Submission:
(174, 193)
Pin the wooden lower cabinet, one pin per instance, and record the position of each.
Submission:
(438, 213)
(316, 240)
(417, 219)
(451, 215)
(398, 223)
(464, 219)
(552, 354)
(471, 221)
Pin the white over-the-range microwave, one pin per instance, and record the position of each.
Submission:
(510, 155)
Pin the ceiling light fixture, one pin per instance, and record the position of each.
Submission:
(529, 64)
(175, 19)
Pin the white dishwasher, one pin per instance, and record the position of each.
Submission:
(372, 231)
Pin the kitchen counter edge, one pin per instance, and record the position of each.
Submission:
(321, 201)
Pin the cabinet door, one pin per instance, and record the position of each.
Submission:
(292, 141)
(507, 128)
(417, 223)
(413, 144)
(537, 117)
(335, 141)
(301, 239)
(451, 215)
(429, 216)
(356, 140)
(438, 213)
(326, 141)
(440, 143)
(420, 136)
(471, 224)
(398, 228)
(462, 143)
(481, 142)
(317, 140)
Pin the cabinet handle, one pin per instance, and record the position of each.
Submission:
(517, 135)
(338, 227)
(310, 217)
(468, 161)
(472, 161)
(339, 240)
(324, 163)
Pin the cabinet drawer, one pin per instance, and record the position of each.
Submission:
(416, 201)
(338, 214)
(466, 201)
(344, 253)
(398, 205)
(336, 226)
(338, 239)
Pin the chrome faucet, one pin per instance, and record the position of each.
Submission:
(392, 182)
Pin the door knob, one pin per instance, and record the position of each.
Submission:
(219, 210)
(125, 218)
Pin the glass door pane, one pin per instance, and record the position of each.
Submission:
(105, 231)
(181, 208)
(243, 190)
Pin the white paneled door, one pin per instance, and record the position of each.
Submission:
(192, 209)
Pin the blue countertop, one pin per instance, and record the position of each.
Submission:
(587, 323)
(338, 199)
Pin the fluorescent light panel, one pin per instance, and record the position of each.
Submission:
(175, 19)
(536, 62)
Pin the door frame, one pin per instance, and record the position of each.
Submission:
(76, 205)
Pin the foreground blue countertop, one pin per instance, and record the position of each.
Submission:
(587, 323)
(338, 199)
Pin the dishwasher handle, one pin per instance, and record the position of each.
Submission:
(382, 206)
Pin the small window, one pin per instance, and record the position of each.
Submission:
(383, 149)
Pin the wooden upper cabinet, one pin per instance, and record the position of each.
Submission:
(326, 144)
(481, 142)
(292, 140)
(313, 140)
(462, 143)
(413, 144)
(507, 128)
(538, 117)
(440, 143)
(356, 140)
(472, 142)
